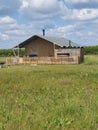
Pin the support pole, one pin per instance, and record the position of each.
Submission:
(14, 52)
(18, 50)
(54, 48)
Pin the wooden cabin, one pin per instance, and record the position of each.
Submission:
(44, 46)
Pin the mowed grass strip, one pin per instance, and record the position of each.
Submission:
(49, 97)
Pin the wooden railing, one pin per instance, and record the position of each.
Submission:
(42, 60)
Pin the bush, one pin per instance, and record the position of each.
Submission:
(91, 50)
(9, 52)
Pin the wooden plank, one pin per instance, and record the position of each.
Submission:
(43, 60)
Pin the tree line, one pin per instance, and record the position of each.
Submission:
(88, 50)
(9, 52)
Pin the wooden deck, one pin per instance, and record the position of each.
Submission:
(42, 60)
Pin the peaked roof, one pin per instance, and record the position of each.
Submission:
(60, 41)
(56, 40)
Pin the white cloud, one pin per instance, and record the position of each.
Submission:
(7, 23)
(40, 5)
(9, 7)
(61, 31)
(4, 37)
(10, 32)
(80, 1)
(7, 20)
(66, 29)
(39, 9)
(82, 4)
(83, 14)
(17, 32)
(90, 33)
(77, 1)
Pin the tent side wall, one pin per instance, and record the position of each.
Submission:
(71, 52)
(40, 47)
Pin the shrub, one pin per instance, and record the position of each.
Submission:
(91, 50)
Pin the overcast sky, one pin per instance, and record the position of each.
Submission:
(76, 20)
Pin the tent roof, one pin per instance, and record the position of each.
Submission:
(56, 40)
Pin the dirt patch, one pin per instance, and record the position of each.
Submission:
(65, 82)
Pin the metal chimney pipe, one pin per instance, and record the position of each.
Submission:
(69, 43)
(43, 32)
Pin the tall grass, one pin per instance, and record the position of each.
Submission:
(49, 97)
(91, 59)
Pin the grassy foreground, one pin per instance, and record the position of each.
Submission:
(50, 97)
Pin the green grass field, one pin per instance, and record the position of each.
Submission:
(50, 97)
